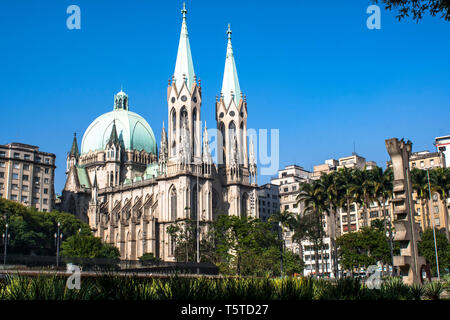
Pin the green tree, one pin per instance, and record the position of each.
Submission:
(419, 182)
(32, 232)
(88, 246)
(184, 237)
(284, 221)
(427, 249)
(417, 8)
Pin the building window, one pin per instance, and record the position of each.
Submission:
(295, 205)
(24, 187)
(2, 164)
(26, 167)
(436, 209)
(16, 155)
(16, 165)
(46, 180)
(2, 174)
(435, 197)
(2, 154)
(35, 200)
(437, 222)
(431, 162)
(422, 164)
(1, 185)
(47, 161)
(373, 214)
(38, 169)
(45, 201)
(418, 212)
(25, 177)
(15, 176)
(45, 191)
(24, 199)
(46, 170)
(414, 164)
(173, 204)
(15, 187)
(14, 197)
(286, 207)
(26, 156)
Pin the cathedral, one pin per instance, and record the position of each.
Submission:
(129, 192)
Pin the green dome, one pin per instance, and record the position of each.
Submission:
(133, 131)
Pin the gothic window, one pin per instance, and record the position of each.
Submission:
(194, 203)
(241, 141)
(222, 132)
(244, 205)
(232, 134)
(173, 204)
(174, 148)
(194, 127)
(215, 199)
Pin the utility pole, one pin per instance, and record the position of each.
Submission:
(6, 237)
(58, 238)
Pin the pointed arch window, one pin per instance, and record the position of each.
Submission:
(231, 135)
(244, 207)
(223, 143)
(173, 204)
(194, 128)
(194, 203)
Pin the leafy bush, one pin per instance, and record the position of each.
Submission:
(433, 290)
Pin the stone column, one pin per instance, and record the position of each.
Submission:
(407, 231)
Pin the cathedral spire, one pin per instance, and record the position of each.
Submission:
(113, 138)
(184, 67)
(230, 84)
(74, 150)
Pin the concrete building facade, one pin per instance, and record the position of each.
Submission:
(27, 175)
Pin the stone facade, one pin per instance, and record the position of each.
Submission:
(130, 196)
(27, 175)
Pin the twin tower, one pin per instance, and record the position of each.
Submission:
(184, 99)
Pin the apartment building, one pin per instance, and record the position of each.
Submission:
(443, 146)
(428, 160)
(268, 200)
(27, 175)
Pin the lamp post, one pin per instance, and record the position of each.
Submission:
(434, 232)
(58, 238)
(391, 246)
(5, 237)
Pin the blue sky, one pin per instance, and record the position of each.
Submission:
(310, 68)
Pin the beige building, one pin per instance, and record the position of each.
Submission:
(27, 175)
(428, 160)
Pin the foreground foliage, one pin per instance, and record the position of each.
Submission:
(112, 287)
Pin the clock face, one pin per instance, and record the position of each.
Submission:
(232, 113)
(183, 98)
(173, 100)
(221, 115)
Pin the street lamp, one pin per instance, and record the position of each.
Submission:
(391, 246)
(58, 238)
(6, 238)
(432, 220)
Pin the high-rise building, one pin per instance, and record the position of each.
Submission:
(268, 200)
(27, 175)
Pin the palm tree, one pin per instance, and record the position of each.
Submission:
(382, 192)
(440, 183)
(346, 181)
(332, 193)
(284, 220)
(363, 190)
(314, 198)
(419, 184)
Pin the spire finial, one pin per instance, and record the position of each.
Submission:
(229, 32)
(184, 11)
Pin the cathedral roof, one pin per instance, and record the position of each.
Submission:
(230, 84)
(132, 131)
(184, 67)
